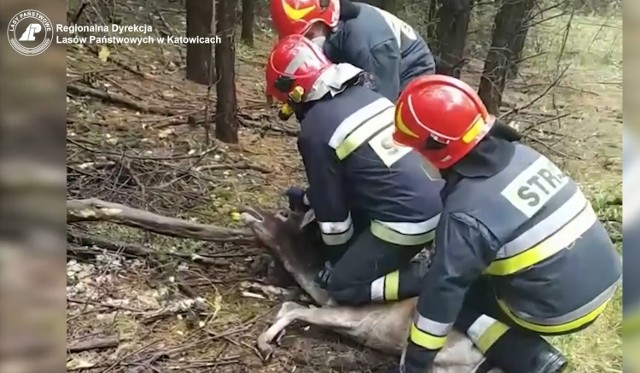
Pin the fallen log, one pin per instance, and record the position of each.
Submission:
(93, 209)
(93, 344)
(118, 99)
(126, 249)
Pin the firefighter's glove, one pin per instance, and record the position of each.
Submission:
(285, 112)
(322, 278)
(296, 199)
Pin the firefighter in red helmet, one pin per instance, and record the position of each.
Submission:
(370, 199)
(515, 238)
(298, 16)
(359, 34)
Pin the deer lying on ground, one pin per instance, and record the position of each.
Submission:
(383, 326)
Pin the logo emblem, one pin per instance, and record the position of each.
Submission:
(388, 145)
(400, 125)
(30, 32)
(297, 14)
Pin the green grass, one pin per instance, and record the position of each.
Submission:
(599, 347)
(593, 47)
(592, 41)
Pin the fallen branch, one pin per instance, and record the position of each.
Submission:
(255, 124)
(252, 62)
(166, 354)
(184, 288)
(166, 24)
(119, 99)
(245, 119)
(133, 250)
(229, 332)
(94, 209)
(124, 358)
(112, 246)
(106, 305)
(133, 156)
(235, 166)
(135, 71)
(94, 344)
(205, 364)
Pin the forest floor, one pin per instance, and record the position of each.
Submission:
(170, 313)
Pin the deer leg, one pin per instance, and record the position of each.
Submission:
(327, 317)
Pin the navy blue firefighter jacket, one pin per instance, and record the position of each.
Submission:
(355, 169)
(380, 43)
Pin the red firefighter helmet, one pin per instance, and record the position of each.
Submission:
(294, 65)
(297, 16)
(442, 118)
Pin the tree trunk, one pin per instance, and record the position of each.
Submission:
(507, 25)
(518, 46)
(200, 17)
(451, 35)
(248, 19)
(390, 6)
(432, 21)
(226, 104)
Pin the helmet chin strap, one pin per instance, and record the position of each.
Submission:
(337, 12)
(332, 81)
(319, 40)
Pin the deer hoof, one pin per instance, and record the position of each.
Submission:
(266, 350)
(278, 338)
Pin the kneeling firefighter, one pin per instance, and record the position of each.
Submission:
(359, 34)
(375, 206)
(520, 252)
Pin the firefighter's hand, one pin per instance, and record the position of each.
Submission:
(296, 199)
(285, 112)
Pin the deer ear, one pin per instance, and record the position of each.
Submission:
(308, 217)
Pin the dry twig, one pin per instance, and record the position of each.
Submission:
(553, 84)
(235, 166)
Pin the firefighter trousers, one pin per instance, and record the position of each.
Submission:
(504, 343)
(373, 270)
(481, 300)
